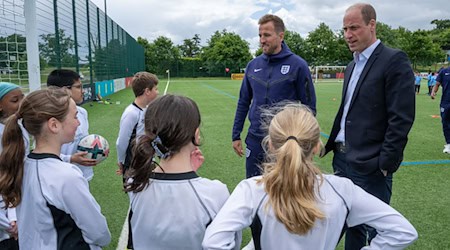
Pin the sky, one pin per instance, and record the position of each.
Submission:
(182, 19)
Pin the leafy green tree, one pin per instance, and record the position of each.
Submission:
(295, 42)
(55, 53)
(146, 45)
(386, 34)
(226, 50)
(191, 47)
(160, 55)
(321, 46)
(258, 52)
(422, 50)
(441, 34)
(441, 24)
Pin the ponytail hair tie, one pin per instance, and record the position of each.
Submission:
(162, 152)
(291, 137)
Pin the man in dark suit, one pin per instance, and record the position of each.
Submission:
(375, 116)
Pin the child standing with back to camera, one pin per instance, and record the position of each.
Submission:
(145, 89)
(297, 206)
(171, 204)
(55, 209)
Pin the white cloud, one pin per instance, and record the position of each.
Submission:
(181, 19)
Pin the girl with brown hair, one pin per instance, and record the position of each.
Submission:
(55, 209)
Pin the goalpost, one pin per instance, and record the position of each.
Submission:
(329, 73)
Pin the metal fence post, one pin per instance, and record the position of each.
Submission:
(74, 17)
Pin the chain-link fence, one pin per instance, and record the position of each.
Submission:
(67, 34)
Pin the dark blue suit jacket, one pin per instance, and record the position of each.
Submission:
(381, 112)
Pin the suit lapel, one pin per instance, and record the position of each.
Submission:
(347, 75)
(365, 71)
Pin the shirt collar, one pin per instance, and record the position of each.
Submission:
(367, 52)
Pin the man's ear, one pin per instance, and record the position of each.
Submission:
(281, 35)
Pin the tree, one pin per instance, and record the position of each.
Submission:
(160, 55)
(386, 34)
(226, 50)
(58, 52)
(421, 49)
(441, 24)
(321, 46)
(191, 47)
(146, 45)
(295, 42)
(441, 34)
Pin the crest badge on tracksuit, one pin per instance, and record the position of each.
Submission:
(285, 69)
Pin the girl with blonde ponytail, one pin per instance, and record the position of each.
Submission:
(296, 205)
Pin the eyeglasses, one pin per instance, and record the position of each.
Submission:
(79, 86)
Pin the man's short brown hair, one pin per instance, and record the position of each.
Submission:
(277, 22)
(143, 80)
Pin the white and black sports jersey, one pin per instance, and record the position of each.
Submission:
(7, 215)
(174, 210)
(131, 126)
(340, 200)
(68, 149)
(57, 210)
(26, 137)
(5, 219)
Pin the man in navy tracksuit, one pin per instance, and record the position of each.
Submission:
(276, 75)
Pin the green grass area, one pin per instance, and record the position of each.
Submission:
(420, 192)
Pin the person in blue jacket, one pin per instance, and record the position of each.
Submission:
(274, 76)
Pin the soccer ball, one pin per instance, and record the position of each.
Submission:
(96, 146)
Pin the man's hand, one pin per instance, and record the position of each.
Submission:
(237, 146)
(197, 159)
(433, 95)
(79, 158)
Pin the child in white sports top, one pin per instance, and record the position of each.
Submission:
(171, 204)
(55, 209)
(71, 80)
(298, 207)
(11, 96)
